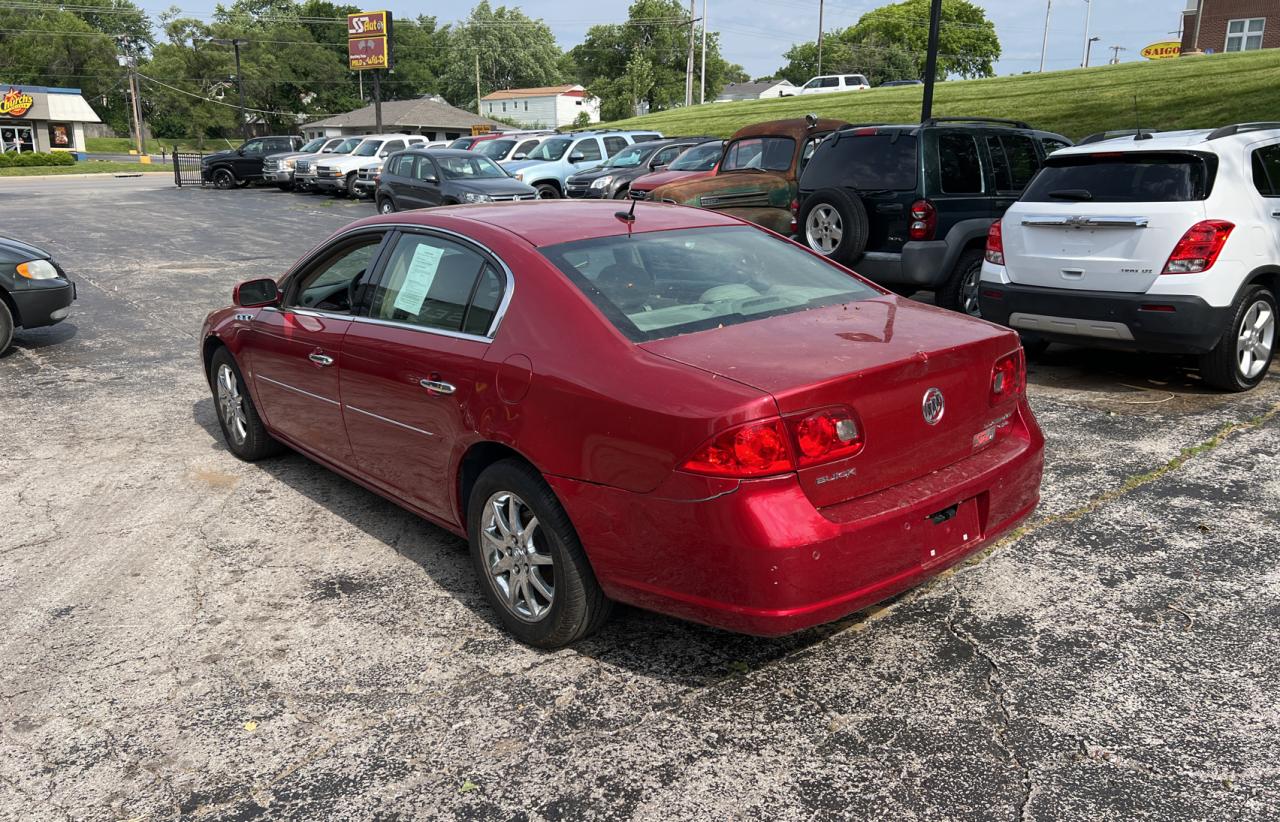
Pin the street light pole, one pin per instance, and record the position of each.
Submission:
(931, 59)
(1088, 48)
(702, 95)
(1088, 14)
(1044, 44)
(820, 10)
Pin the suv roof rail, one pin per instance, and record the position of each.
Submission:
(1135, 133)
(933, 121)
(1238, 128)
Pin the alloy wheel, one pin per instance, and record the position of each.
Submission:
(969, 291)
(231, 404)
(386, 206)
(824, 229)
(1254, 339)
(222, 178)
(517, 557)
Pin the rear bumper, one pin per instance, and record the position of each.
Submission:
(1186, 325)
(760, 559)
(44, 302)
(921, 264)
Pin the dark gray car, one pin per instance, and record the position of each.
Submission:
(443, 176)
(34, 290)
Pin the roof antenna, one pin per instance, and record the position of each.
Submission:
(1137, 121)
(628, 216)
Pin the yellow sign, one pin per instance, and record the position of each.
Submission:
(16, 103)
(1163, 51)
(367, 24)
(369, 40)
(479, 129)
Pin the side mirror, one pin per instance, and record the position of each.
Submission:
(431, 180)
(256, 293)
(658, 166)
(240, 151)
(519, 156)
(577, 157)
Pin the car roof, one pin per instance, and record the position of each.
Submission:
(798, 128)
(1191, 139)
(442, 152)
(544, 223)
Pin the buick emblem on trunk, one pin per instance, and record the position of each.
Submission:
(933, 406)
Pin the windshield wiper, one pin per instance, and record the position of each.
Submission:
(751, 168)
(1071, 194)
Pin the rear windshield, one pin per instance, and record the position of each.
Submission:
(698, 158)
(666, 283)
(1122, 177)
(768, 153)
(868, 162)
(494, 149)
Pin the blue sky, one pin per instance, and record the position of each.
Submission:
(755, 33)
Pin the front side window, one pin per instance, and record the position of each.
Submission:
(348, 145)
(434, 283)
(496, 149)
(814, 83)
(552, 149)
(699, 158)
(393, 146)
(666, 155)
(252, 147)
(525, 147)
(333, 284)
(665, 283)
(312, 146)
(425, 171)
(478, 167)
(630, 157)
(1122, 177)
(614, 144)
(960, 169)
(589, 149)
(768, 153)
(1245, 34)
(367, 149)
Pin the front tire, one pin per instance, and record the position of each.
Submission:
(960, 291)
(349, 185)
(242, 428)
(531, 565)
(546, 191)
(1243, 356)
(386, 205)
(834, 223)
(6, 327)
(222, 178)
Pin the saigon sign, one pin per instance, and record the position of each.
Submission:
(1163, 50)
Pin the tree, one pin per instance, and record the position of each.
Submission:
(891, 42)
(608, 61)
(513, 51)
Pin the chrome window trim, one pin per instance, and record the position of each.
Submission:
(299, 390)
(409, 228)
(1086, 222)
(389, 420)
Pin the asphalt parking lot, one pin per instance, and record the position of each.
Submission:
(189, 636)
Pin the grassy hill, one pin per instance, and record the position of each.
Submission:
(1192, 92)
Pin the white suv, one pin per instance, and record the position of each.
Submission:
(1165, 242)
(829, 84)
(339, 174)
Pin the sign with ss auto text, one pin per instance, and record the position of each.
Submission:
(1162, 51)
(369, 40)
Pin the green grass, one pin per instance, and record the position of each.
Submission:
(1190, 92)
(88, 167)
(123, 145)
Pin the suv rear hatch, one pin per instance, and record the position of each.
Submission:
(877, 356)
(1106, 221)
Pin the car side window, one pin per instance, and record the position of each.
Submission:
(334, 283)
(432, 282)
(484, 305)
(426, 170)
(959, 166)
(1024, 162)
(1051, 145)
(999, 164)
(253, 147)
(589, 149)
(1266, 170)
(525, 147)
(613, 145)
(666, 155)
(830, 82)
(392, 146)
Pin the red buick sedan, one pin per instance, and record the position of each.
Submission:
(680, 411)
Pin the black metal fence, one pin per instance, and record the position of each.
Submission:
(186, 169)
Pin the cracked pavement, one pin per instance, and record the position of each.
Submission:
(188, 636)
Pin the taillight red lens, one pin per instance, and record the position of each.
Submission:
(1008, 377)
(829, 434)
(995, 244)
(756, 449)
(924, 220)
(795, 206)
(1199, 248)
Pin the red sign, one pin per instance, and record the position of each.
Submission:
(369, 53)
(16, 103)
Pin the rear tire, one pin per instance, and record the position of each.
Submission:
(960, 291)
(1243, 355)
(522, 546)
(834, 223)
(546, 191)
(6, 327)
(242, 428)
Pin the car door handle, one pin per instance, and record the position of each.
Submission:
(322, 360)
(1276, 214)
(438, 386)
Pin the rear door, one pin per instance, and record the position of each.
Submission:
(412, 367)
(1106, 221)
(612, 145)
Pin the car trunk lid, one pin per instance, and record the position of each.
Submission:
(877, 356)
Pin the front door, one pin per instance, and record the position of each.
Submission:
(425, 187)
(294, 352)
(411, 368)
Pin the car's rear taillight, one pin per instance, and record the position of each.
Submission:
(829, 434)
(1199, 248)
(995, 244)
(924, 220)
(756, 449)
(1008, 377)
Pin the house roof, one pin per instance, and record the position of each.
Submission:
(748, 91)
(425, 112)
(540, 91)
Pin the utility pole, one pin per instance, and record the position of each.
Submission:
(135, 107)
(1044, 44)
(702, 95)
(931, 59)
(820, 10)
(1088, 15)
(1195, 38)
(377, 99)
(688, 69)
(235, 42)
(477, 82)
(1088, 47)
(1115, 54)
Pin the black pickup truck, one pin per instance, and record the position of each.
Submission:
(242, 166)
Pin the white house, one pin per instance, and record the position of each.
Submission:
(546, 107)
(753, 91)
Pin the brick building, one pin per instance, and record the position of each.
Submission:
(1231, 25)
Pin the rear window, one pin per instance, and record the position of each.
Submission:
(1122, 177)
(866, 162)
(666, 283)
